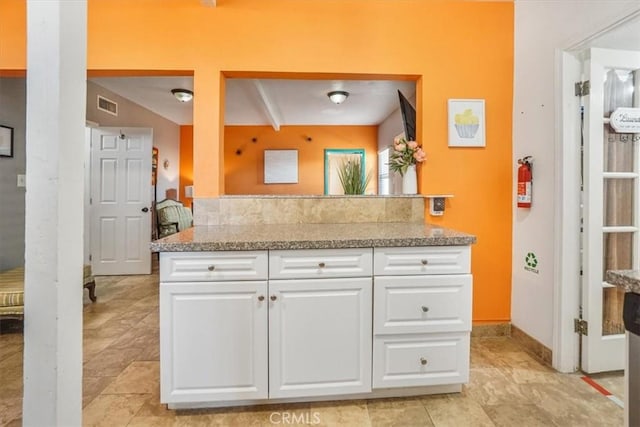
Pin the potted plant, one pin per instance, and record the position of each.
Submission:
(352, 177)
(403, 159)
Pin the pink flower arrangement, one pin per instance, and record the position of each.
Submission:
(405, 153)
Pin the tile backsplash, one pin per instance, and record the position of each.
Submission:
(307, 209)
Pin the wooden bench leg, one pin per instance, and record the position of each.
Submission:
(92, 290)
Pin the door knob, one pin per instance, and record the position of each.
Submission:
(145, 209)
(423, 361)
(261, 298)
(273, 297)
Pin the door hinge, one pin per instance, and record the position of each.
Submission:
(582, 88)
(581, 326)
(90, 257)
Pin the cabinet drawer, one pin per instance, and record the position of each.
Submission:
(320, 263)
(213, 266)
(420, 360)
(420, 304)
(422, 260)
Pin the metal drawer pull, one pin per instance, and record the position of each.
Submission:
(261, 298)
(423, 361)
(273, 297)
(424, 262)
(321, 265)
(211, 267)
(425, 309)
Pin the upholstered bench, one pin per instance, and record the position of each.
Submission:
(12, 294)
(12, 291)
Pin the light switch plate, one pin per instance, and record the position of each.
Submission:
(22, 180)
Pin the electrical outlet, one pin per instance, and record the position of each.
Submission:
(22, 180)
(436, 206)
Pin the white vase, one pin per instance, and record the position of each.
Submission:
(410, 181)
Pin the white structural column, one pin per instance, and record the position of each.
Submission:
(56, 98)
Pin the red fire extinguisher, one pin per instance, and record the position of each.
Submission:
(525, 179)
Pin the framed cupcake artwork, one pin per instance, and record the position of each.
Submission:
(466, 123)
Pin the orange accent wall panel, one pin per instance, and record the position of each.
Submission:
(457, 49)
(186, 162)
(244, 159)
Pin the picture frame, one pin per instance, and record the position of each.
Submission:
(466, 123)
(280, 166)
(6, 141)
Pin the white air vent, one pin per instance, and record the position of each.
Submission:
(107, 105)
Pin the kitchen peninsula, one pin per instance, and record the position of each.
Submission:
(253, 314)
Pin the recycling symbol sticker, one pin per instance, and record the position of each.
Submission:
(531, 262)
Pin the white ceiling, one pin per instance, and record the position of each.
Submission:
(153, 93)
(270, 101)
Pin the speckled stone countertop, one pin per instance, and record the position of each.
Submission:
(309, 236)
(629, 280)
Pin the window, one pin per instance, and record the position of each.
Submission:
(383, 172)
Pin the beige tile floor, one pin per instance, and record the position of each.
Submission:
(121, 381)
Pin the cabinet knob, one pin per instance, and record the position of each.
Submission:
(261, 298)
(321, 265)
(424, 261)
(273, 297)
(423, 361)
(425, 309)
(211, 267)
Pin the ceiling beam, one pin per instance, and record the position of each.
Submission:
(269, 107)
(211, 3)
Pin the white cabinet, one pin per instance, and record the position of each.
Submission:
(319, 337)
(226, 340)
(213, 341)
(422, 316)
(242, 327)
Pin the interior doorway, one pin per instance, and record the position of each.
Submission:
(598, 196)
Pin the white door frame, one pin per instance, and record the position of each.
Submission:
(567, 197)
(566, 291)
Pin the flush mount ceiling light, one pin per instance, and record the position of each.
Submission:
(338, 96)
(182, 95)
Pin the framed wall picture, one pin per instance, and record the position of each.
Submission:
(466, 123)
(6, 141)
(280, 166)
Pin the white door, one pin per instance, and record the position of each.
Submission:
(121, 200)
(319, 337)
(611, 193)
(214, 341)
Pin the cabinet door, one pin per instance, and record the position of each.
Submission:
(319, 337)
(213, 345)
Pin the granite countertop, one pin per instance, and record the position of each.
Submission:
(629, 280)
(310, 236)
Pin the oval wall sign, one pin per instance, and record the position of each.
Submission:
(626, 120)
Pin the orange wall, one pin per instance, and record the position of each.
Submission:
(460, 49)
(244, 173)
(186, 162)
